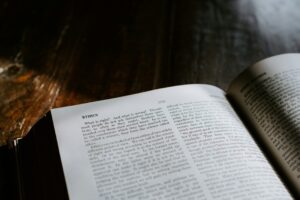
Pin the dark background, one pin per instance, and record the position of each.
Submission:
(58, 53)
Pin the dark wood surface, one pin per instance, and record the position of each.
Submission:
(58, 53)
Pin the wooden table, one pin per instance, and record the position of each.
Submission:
(60, 53)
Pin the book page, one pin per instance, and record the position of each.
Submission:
(268, 94)
(183, 142)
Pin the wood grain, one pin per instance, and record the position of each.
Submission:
(84, 52)
(79, 53)
(215, 40)
(59, 53)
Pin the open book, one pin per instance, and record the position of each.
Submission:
(190, 141)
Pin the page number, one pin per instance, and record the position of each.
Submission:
(161, 101)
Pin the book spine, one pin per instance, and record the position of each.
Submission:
(16, 152)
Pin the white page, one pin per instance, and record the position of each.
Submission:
(179, 142)
(268, 93)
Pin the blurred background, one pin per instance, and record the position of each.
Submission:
(58, 53)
